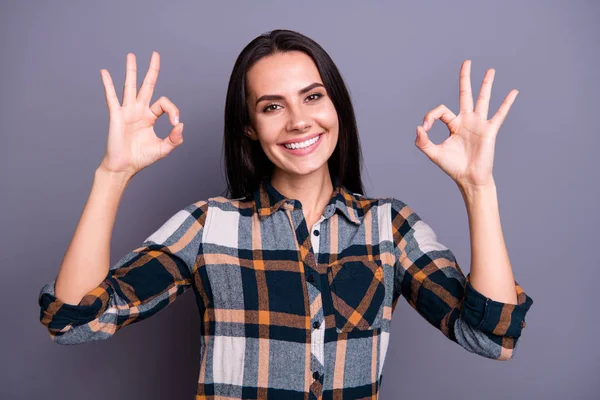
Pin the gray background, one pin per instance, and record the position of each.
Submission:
(399, 60)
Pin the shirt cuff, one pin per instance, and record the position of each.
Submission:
(57, 315)
(493, 317)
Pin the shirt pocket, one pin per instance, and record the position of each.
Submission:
(358, 291)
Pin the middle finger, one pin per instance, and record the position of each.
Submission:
(465, 95)
(147, 88)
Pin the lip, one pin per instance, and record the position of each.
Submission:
(301, 140)
(306, 150)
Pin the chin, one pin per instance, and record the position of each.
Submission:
(301, 170)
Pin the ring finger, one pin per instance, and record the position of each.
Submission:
(129, 88)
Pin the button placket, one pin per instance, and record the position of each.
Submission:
(314, 233)
(317, 335)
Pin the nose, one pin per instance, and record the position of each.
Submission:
(298, 120)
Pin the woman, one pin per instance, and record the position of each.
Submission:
(297, 275)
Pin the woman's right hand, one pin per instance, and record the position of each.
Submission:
(132, 143)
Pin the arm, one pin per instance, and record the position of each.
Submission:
(429, 277)
(143, 282)
(87, 259)
(491, 272)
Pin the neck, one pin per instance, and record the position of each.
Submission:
(312, 190)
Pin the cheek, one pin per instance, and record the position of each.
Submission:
(268, 131)
(327, 116)
(269, 128)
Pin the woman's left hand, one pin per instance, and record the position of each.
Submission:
(467, 155)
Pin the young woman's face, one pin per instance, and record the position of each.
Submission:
(288, 103)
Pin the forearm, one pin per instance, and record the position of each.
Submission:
(87, 259)
(491, 272)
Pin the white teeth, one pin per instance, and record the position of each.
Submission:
(302, 145)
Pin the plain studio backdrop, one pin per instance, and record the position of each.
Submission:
(399, 60)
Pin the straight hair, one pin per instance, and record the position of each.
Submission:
(245, 161)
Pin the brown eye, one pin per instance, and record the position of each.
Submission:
(267, 109)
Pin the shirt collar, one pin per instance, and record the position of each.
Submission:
(268, 200)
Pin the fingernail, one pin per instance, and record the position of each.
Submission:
(176, 119)
(425, 125)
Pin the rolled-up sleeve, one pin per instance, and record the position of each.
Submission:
(429, 277)
(139, 285)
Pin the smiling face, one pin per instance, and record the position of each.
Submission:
(288, 103)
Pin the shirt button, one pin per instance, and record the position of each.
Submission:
(310, 278)
(316, 374)
(316, 324)
(316, 232)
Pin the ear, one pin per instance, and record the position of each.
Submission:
(250, 133)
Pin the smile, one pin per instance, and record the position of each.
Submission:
(303, 148)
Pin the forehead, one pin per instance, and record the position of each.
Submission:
(280, 73)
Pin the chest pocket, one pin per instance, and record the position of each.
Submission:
(358, 293)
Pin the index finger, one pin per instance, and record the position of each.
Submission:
(147, 88)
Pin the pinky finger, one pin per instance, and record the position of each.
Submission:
(500, 116)
(112, 101)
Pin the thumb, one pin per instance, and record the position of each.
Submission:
(424, 144)
(174, 139)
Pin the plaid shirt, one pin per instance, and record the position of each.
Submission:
(287, 311)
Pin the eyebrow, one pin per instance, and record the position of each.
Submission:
(278, 97)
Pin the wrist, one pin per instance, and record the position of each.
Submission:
(119, 179)
(469, 191)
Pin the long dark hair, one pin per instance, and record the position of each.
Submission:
(245, 161)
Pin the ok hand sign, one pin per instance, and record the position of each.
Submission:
(467, 155)
(132, 143)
